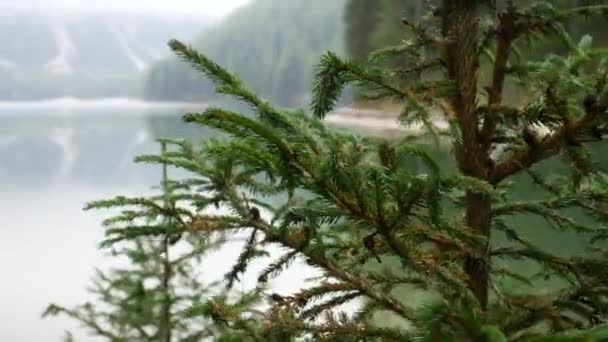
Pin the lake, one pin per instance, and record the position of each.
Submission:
(54, 157)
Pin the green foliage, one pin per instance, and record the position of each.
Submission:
(343, 202)
(145, 300)
(272, 44)
(128, 302)
(361, 18)
(375, 25)
(599, 333)
(372, 25)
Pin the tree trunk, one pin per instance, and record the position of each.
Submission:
(165, 319)
(165, 327)
(460, 24)
(478, 216)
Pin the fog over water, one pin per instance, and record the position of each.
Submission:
(54, 159)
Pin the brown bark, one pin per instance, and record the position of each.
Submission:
(506, 33)
(165, 328)
(479, 217)
(460, 25)
(165, 319)
(548, 147)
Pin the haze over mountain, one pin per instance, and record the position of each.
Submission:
(207, 7)
(82, 49)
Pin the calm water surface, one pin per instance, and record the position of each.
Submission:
(54, 157)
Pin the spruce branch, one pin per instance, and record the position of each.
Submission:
(336, 271)
(547, 210)
(229, 84)
(249, 252)
(506, 34)
(55, 310)
(549, 146)
(332, 74)
(560, 265)
(424, 35)
(276, 267)
(317, 309)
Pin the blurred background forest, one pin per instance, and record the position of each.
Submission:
(273, 45)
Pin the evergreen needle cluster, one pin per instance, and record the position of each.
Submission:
(343, 202)
(157, 279)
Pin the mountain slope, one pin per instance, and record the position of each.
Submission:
(103, 54)
(272, 45)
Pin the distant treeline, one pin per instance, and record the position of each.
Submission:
(374, 24)
(273, 45)
(371, 25)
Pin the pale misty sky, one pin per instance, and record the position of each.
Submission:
(212, 7)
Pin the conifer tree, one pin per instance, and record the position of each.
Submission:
(346, 199)
(159, 279)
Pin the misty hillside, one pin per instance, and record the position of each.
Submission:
(273, 45)
(101, 54)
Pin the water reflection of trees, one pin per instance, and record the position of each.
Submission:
(172, 126)
(104, 145)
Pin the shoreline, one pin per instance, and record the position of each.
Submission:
(372, 121)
